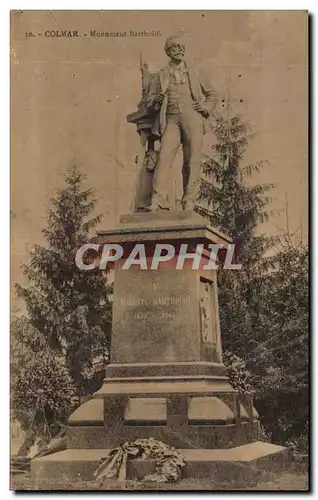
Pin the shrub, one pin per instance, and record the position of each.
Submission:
(43, 395)
(239, 377)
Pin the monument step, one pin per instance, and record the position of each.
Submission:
(203, 386)
(166, 378)
(237, 463)
(127, 370)
(167, 218)
(222, 434)
(161, 225)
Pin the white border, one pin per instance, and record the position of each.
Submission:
(4, 196)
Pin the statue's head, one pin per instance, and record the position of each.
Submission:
(174, 48)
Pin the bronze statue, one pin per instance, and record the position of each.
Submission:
(177, 104)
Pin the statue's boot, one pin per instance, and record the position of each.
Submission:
(187, 205)
(159, 203)
(154, 207)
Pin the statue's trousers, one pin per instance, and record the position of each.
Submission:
(184, 129)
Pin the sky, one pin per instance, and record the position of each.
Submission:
(70, 98)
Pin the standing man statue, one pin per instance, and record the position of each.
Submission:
(182, 102)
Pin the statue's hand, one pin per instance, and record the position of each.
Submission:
(200, 109)
(159, 98)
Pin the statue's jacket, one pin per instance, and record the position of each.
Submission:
(201, 91)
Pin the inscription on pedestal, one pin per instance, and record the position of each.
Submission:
(155, 316)
(141, 307)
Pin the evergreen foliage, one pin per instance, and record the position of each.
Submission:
(68, 306)
(263, 307)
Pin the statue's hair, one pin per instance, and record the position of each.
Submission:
(169, 41)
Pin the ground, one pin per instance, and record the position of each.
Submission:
(291, 477)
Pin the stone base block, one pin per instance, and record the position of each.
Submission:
(181, 421)
(238, 462)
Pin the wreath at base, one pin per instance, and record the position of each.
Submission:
(169, 462)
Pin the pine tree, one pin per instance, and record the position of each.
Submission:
(237, 207)
(68, 306)
(226, 197)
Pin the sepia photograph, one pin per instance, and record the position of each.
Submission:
(159, 322)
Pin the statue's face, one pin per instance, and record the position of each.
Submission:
(176, 51)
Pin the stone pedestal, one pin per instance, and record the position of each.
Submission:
(166, 378)
(166, 358)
